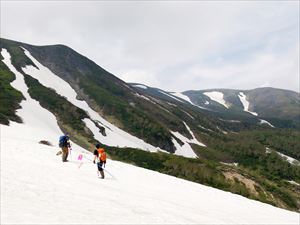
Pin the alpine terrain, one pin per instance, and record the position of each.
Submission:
(215, 156)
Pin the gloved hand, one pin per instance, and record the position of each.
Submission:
(94, 162)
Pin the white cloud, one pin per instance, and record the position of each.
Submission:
(168, 44)
(270, 69)
(135, 76)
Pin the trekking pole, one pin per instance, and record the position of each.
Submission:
(70, 149)
(109, 173)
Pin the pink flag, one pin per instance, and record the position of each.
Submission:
(80, 157)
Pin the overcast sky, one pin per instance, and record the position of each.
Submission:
(175, 46)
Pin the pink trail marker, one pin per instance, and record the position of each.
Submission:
(80, 158)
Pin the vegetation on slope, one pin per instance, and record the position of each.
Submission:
(132, 118)
(211, 173)
(248, 148)
(18, 58)
(10, 98)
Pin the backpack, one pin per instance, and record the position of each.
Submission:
(63, 141)
(102, 155)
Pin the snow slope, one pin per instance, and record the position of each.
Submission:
(171, 96)
(261, 121)
(194, 140)
(217, 97)
(182, 96)
(47, 191)
(114, 135)
(37, 188)
(35, 118)
(140, 86)
(186, 149)
(186, 98)
(245, 103)
(291, 160)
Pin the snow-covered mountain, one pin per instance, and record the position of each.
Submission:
(50, 90)
(263, 104)
(37, 188)
(279, 107)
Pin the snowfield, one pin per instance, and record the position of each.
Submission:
(182, 96)
(140, 86)
(186, 98)
(261, 121)
(171, 96)
(291, 160)
(38, 188)
(245, 103)
(217, 97)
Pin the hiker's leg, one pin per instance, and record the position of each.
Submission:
(67, 153)
(64, 154)
(100, 169)
(102, 173)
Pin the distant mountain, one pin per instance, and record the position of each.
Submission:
(279, 107)
(264, 101)
(229, 138)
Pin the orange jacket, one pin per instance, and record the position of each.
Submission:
(102, 154)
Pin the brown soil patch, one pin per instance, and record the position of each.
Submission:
(250, 184)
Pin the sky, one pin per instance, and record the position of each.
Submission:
(172, 45)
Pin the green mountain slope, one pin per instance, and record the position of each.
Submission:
(9, 97)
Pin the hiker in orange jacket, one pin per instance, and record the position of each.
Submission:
(100, 158)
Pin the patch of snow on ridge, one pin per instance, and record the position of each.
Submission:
(182, 96)
(186, 98)
(217, 97)
(184, 150)
(230, 164)
(194, 140)
(188, 114)
(245, 103)
(170, 96)
(47, 78)
(268, 150)
(142, 96)
(230, 121)
(140, 86)
(205, 128)
(291, 160)
(265, 122)
(293, 182)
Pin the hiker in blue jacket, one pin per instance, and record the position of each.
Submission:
(64, 144)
